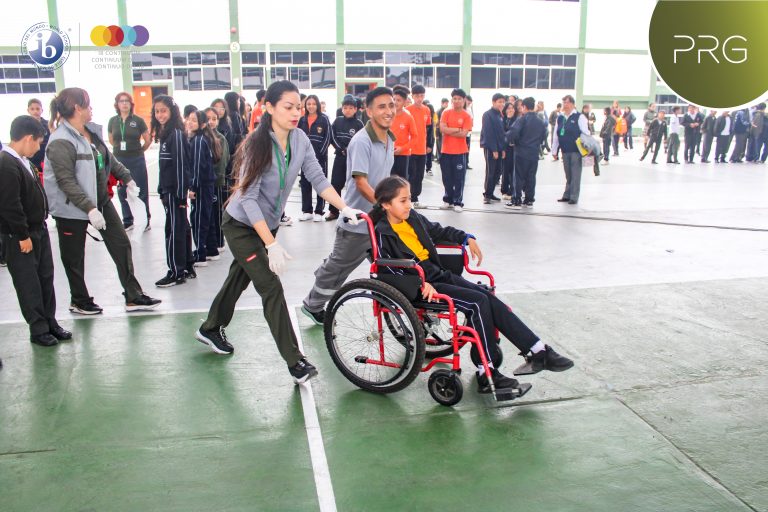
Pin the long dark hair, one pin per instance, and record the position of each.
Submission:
(255, 153)
(63, 105)
(386, 191)
(318, 110)
(175, 122)
(231, 98)
(204, 129)
(222, 119)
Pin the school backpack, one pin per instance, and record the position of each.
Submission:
(621, 125)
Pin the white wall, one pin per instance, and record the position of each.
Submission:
(376, 22)
(619, 23)
(174, 22)
(16, 21)
(617, 75)
(294, 22)
(526, 23)
(72, 17)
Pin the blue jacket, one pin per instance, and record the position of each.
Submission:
(741, 124)
(492, 132)
(527, 134)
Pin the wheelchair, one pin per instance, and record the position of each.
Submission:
(379, 332)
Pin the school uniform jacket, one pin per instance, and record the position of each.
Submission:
(203, 171)
(174, 163)
(429, 233)
(342, 131)
(319, 134)
(688, 120)
(23, 205)
(527, 133)
(492, 133)
(657, 130)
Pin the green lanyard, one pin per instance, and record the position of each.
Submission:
(122, 129)
(99, 158)
(282, 170)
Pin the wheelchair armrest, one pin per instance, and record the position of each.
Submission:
(402, 263)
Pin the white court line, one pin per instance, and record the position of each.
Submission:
(325, 496)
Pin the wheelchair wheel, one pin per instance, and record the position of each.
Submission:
(363, 346)
(439, 335)
(445, 387)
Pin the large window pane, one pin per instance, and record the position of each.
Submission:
(161, 59)
(222, 57)
(13, 88)
(45, 74)
(48, 87)
(300, 77)
(374, 57)
(29, 73)
(542, 79)
(323, 78)
(423, 76)
(484, 78)
(329, 57)
(511, 78)
(12, 73)
(301, 57)
(253, 78)
(195, 79)
(142, 75)
(141, 59)
(355, 57)
(194, 58)
(532, 59)
(453, 58)
(397, 75)
(448, 78)
(316, 57)
(161, 74)
(365, 71)
(209, 58)
(180, 79)
(530, 78)
(569, 60)
(217, 79)
(563, 78)
(281, 58)
(179, 58)
(253, 58)
(395, 57)
(280, 73)
(32, 87)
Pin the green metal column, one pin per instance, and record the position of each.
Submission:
(341, 63)
(53, 19)
(580, 57)
(234, 44)
(125, 56)
(466, 48)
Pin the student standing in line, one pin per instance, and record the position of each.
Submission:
(205, 154)
(236, 110)
(591, 119)
(508, 164)
(620, 130)
(528, 133)
(420, 151)
(77, 167)
(629, 118)
(493, 141)
(675, 130)
(692, 123)
(214, 231)
(35, 109)
(657, 131)
(173, 186)
(456, 125)
(724, 133)
(343, 129)
(430, 137)
(570, 127)
(370, 156)
(268, 164)
(756, 133)
(23, 210)
(443, 108)
(129, 136)
(318, 128)
(741, 125)
(708, 135)
(606, 133)
(404, 128)
(648, 117)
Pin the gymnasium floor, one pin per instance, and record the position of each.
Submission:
(654, 284)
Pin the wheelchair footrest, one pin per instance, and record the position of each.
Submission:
(506, 394)
(524, 369)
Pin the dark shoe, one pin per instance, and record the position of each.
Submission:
(547, 359)
(60, 333)
(486, 200)
(44, 340)
(704, 161)
(495, 199)
(317, 317)
(500, 381)
(331, 216)
(169, 280)
(563, 200)
(128, 227)
(142, 303)
(573, 202)
(88, 308)
(302, 371)
(3, 263)
(190, 273)
(216, 339)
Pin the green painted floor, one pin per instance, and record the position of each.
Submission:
(665, 411)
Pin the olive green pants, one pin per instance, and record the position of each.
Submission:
(251, 265)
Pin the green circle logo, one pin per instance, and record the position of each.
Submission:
(712, 53)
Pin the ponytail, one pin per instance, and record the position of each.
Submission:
(386, 191)
(63, 104)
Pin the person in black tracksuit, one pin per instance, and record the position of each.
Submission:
(494, 144)
(225, 128)
(204, 154)
(342, 131)
(508, 165)
(430, 137)
(319, 133)
(173, 187)
(396, 223)
(527, 134)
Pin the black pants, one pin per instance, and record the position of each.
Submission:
(178, 235)
(628, 142)
(454, 171)
(606, 148)
(721, 150)
(214, 228)
(525, 179)
(400, 166)
(202, 210)
(690, 148)
(306, 189)
(430, 155)
(72, 249)
(138, 167)
(656, 145)
(338, 177)
(707, 147)
(493, 169)
(508, 173)
(616, 138)
(416, 166)
(251, 265)
(485, 313)
(32, 276)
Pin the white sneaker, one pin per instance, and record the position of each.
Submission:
(458, 209)
(446, 206)
(200, 264)
(305, 216)
(506, 197)
(222, 249)
(318, 218)
(286, 221)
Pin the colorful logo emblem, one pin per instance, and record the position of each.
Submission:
(124, 35)
(46, 45)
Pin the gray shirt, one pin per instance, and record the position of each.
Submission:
(366, 156)
(265, 199)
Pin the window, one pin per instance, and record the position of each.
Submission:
(307, 70)
(180, 79)
(423, 76)
(484, 78)
(398, 75)
(253, 69)
(254, 58)
(448, 78)
(253, 78)
(195, 79)
(300, 77)
(542, 79)
(179, 59)
(217, 79)
(323, 77)
(189, 71)
(540, 71)
(364, 57)
(511, 78)
(365, 72)
(161, 59)
(563, 79)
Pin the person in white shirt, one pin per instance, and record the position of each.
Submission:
(675, 131)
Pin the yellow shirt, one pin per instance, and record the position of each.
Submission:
(409, 238)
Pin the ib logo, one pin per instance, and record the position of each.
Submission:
(124, 36)
(46, 45)
(712, 53)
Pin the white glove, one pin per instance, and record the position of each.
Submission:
(277, 257)
(351, 214)
(97, 219)
(132, 189)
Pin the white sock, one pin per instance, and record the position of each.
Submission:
(481, 370)
(538, 347)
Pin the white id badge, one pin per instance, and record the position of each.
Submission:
(123, 145)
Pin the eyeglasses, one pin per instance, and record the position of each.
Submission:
(124, 101)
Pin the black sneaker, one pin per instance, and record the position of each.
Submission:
(3, 263)
(303, 371)
(495, 199)
(500, 381)
(87, 308)
(60, 333)
(547, 359)
(190, 273)
(142, 303)
(44, 340)
(216, 339)
(317, 317)
(169, 280)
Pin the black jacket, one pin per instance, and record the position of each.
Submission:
(492, 134)
(428, 233)
(527, 133)
(174, 161)
(23, 205)
(342, 131)
(319, 134)
(38, 158)
(657, 130)
(688, 120)
(708, 126)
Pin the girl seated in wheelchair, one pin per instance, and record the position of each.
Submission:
(403, 233)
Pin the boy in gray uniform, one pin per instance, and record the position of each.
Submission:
(370, 156)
